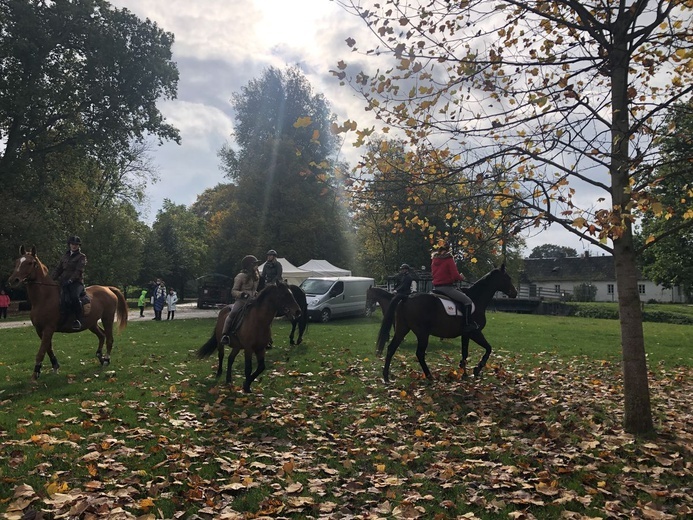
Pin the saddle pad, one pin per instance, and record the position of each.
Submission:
(451, 306)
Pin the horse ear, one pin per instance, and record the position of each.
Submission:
(21, 250)
(33, 250)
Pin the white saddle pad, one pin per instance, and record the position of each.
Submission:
(451, 306)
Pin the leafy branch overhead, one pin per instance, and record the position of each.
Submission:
(556, 110)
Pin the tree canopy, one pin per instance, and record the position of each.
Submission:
(79, 89)
(282, 164)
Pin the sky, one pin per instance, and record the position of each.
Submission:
(221, 45)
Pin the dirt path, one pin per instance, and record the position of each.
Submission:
(184, 311)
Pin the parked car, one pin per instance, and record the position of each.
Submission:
(336, 297)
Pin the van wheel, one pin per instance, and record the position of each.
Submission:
(325, 315)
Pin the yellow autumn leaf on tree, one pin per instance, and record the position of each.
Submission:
(302, 122)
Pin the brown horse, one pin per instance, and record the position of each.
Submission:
(376, 295)
(44, 295)
(254, 333)
(426, 316)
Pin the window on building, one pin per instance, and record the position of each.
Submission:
(641, 288)
(610, 288)
(557, 288)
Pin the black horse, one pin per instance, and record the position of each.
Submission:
(302, 321)
(426, 316)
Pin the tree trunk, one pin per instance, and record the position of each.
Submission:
(637, 412)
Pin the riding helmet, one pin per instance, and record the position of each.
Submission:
(404, 266)
(74, 240)
(249, 262)
(271, 252)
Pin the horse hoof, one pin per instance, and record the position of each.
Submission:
(299, 342)
(106, 362)
(56, 368)
(477, 372)
(292, 343)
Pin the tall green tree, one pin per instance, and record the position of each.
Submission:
(283, 162)
(115, 247)
(665, 226)
(537, 101)
(78, 92)
(553, 251)
(182, 237)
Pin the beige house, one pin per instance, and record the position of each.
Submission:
(556, 278)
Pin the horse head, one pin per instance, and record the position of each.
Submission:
(505, 283)
(25, 268)
(285, 301)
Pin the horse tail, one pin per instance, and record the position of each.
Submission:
(121, 309)
(208, 348)
(386, 325)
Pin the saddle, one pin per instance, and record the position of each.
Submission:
(452, 307)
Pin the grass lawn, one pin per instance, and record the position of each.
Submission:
(154, 435)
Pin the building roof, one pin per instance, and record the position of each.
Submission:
(585, 268)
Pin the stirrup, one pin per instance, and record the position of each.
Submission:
(225, 340)
(76, 325)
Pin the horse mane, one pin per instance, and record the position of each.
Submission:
(265, 293)
(42, 267)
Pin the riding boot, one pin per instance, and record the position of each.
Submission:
(469, 324)
(77, 324)
(230, 326)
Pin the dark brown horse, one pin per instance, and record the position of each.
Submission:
(376, 295)
(254, 332)
(44, 295)
(426, 316)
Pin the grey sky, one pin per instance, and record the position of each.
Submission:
(220, 45)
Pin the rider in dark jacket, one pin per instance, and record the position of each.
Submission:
(69, 273)
(404, 281)
(272, 270)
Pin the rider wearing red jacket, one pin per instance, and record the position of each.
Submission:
(445, 276)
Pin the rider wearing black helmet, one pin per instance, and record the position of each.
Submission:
(69, 273)
(272, 270)
(404, 281)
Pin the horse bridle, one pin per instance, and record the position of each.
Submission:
(33, 281)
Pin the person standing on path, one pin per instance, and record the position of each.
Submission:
(4, 303)
(171, 300)
(142, 302)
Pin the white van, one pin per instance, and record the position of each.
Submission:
(336, 296)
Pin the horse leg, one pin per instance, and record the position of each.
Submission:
(51, 356)
(232, 357)
(465, 355)
(99, 333)
(391, 349)
(421, 347)
(45, 346)
(293, 329)
(250, 377)
(220, 355)
(479, 338)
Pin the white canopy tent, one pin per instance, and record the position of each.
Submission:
(292, 274)
(324, 268)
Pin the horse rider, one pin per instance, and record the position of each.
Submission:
(272, 270)
(404, 281)
(244, 291)
(445, 276)
(69, 273)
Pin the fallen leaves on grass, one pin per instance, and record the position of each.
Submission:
(508, 445)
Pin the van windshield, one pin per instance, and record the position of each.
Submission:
(316, 286)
